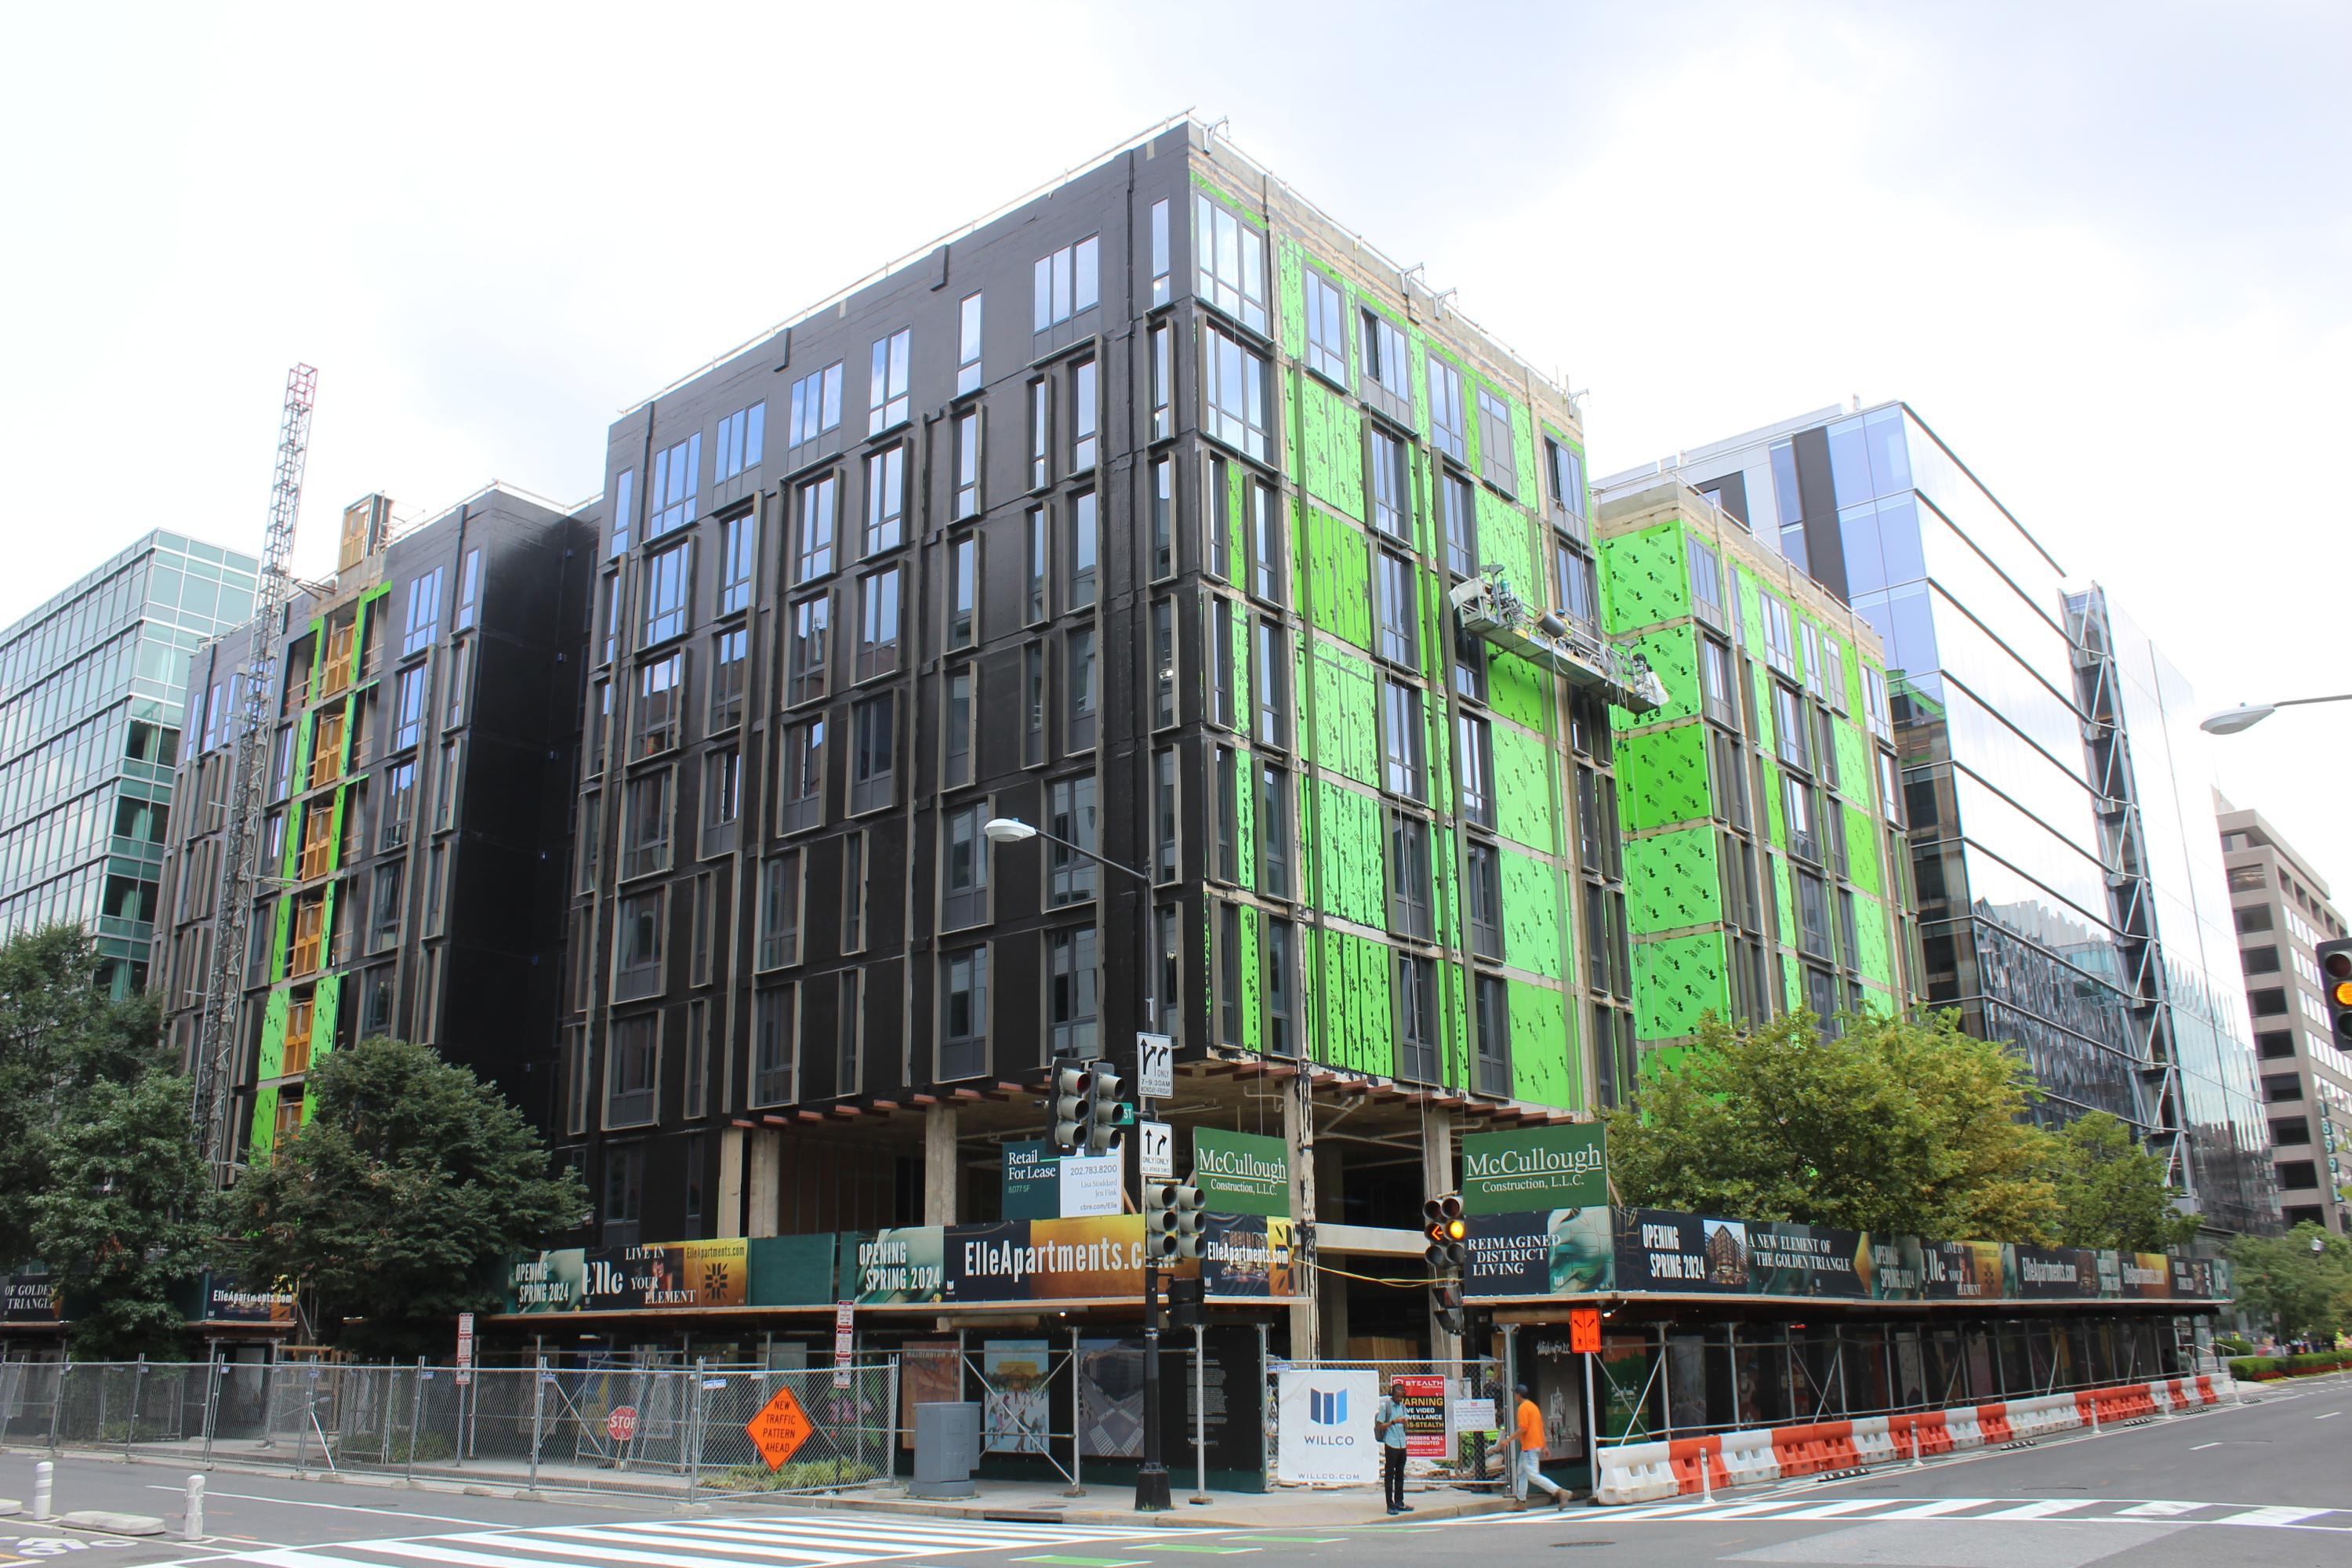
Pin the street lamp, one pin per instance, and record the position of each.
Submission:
(1151, 1493)
(2246, 715)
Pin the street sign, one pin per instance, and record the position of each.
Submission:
(1157, 1141)
(1089, 1186)
(845, 1343)
(780, 1428)
(465, 1348)
(1155, 1066)
(621, 1423)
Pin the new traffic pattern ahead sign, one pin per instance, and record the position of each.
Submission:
(779, 1430)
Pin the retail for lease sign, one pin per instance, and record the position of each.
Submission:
(1540, 1168)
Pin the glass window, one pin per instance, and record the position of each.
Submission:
(1159, 269)
(637, 945)
(1079, 733)
(853, 901)
(1788, 506)
(1041, 434)
(1779, 640)
(775, 1026)
(722, 800)
(1573, 581)
(1272, 685)
(1790, 728)
(1273, 836)
(1221, 662)
(963, 1014)
(407, 708)
(644, 825)
(658, 691)
(1163, 381)
(955, 749)
(886, 499)
(1034, 563)
(1267, 553)
(1445, 410)
(1457, 510)
(1281, 988)
(625, 507)
(677, 477)
(1327, 329)
(1232, 257)
(802, 777)
(1398, 614)
(1381, 345)
(469, 591)
(423, 625)
(1164, 815)
(1567, 466)
(1164, 518)
(1391, 485)
(1493, 1006)
(886, 400)
(874, 758)
(612, 616)
(1033, 705)
(1163, 663)
(816, 403)
(1227, 781)
(729, 659)
(1070, 814)
(808, 653)
(1496, 463)
(1083, 413)
(1476, 743)
(1086, 542)
(877, 623)
(1069, 282)
(967, 468)
(819, 503)
(1400, 739)
(1705, 580)
(1408, 866)
(1071, 982)
(963, 867)
(964, 591)
(1232, 393)
(1484, 894)
(740, 435)
(968, 345)
(738, 545)
(666, 593)
(1413, 987)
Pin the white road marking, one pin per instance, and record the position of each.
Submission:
(2202, 1446)
(342, 1507)
(1832, 1509)
(2274, 1516)
(2041, 1509)
(1933, 1509)
(2329, 1417)
(2159, 1509)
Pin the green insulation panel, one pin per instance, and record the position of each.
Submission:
(1523, 788)
(1245, 790)
(1767, 737)
(1861, 849)
(1330, 448)
(1644, 577)
(270, 1060)
(1873, 954)
(1523, 455)
(1506, 542)
(1751, 612)
(1858, 770)
(1458, 1023)
(1785, 892)
(264, 1121)
(1336, 563)
(1543, 1047)
(1676, 979)
(1792, 983)
(1290, 293)
(1253, 980)
(1776, 825)
(1673, 653)
(325, 1003)
(1671, 881)
(1359, 1027)
(1347, 735)
(1517, 689)
(1662, 777)
(1532, 938)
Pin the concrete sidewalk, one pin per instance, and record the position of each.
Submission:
(1285, 1507)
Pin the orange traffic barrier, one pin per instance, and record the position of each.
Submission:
(1993, 1420)
(1687, 1454)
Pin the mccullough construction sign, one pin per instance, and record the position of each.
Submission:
(1540, 1168)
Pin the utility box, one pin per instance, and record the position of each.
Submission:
(947, 1449)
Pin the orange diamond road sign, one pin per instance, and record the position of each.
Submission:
(780, 1428)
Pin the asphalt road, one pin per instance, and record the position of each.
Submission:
(2266, 1484)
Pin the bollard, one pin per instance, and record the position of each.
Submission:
(45, 1477)
(192, 1521)
(2094, 1413)
(1705, 1477)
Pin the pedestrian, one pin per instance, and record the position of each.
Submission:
(1388, 1424)
(1531, 1434)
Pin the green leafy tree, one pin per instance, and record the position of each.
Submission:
(122, 1224)
(2111, 1192)
(2297, 1287)
(1892, 1125)
(392, 1210)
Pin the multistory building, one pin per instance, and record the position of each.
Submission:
(1179, 523)
(1762, 804)
(2280, 907)
(411, 855)
(2061, 907)
(91, 720)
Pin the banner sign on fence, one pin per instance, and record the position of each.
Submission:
(31, 1298)
(1323, 1427)
(1537, 1168)
(1423, 1395)
(1032, 1181)
(1016, 1416)
(1241, 1173)
(1578, 1251)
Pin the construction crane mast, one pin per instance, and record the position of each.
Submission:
(249, 785)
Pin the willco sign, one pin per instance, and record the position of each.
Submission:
(1541, 1168)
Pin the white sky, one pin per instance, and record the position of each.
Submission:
(2104, 250)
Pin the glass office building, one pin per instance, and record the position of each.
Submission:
(90, 720)
(2060, 906)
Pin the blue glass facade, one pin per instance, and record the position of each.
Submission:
(92, 685)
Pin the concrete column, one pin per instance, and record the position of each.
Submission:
(764, 1180)
(942, 1176)
(1331, 1293)
(1437, 1176)
(1298, 1136)
(730, 1182)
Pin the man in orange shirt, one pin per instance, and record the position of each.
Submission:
(1531, 1434)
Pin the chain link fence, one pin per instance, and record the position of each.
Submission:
(1461, 1459)
(662, 1429)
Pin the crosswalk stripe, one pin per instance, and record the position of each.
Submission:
(1940, 1507)
(1831, 1510)
(2159, 1509)
(2274, 1516)
(2041, 1509)
(624, 1539)
(864, 1526)
(436, 1550)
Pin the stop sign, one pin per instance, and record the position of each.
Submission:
(621, 1423)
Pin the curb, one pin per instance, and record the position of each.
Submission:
(1179, 1519)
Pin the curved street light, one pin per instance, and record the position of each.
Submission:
(2246, 715)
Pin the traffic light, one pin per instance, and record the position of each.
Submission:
(1102, 1112)
(2336, 977)
(1445, 1299)
(1072, 1099)
(1172, 1220)
(1442, 1223)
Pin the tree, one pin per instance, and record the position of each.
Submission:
(1892, 1125)
(2111, 1192)
(393, 1208)
(2298, 1289)
(122, 1223)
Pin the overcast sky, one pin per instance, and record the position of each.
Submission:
(2105, 252)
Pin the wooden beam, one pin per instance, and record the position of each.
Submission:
(927, 1099)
